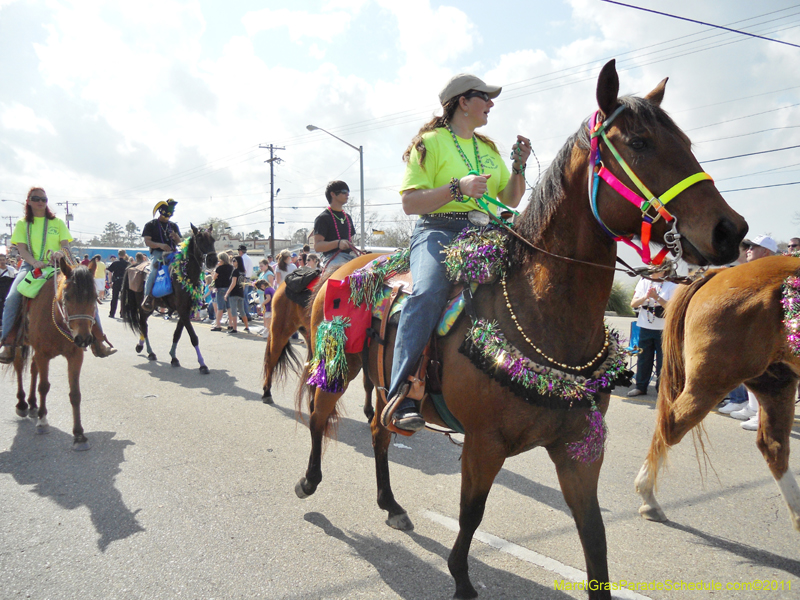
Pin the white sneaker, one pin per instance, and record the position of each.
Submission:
(744, 414)
(732, 406)
(751, 424)
(265, 333)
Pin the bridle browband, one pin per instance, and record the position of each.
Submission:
(652, 207)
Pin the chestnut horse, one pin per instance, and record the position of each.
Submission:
(279, 355)
(733, 318)
(563, 302)
(58, 323)
(200, 254)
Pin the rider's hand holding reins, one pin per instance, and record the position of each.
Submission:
(474, 186)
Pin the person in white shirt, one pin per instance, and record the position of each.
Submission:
(283, 268)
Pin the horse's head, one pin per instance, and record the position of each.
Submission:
(77, 297)
(657, 153)
(204, 244)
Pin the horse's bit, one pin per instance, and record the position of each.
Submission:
(597, 171)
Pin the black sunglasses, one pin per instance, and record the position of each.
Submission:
(794, 245)
(477, 94)
(38, 199)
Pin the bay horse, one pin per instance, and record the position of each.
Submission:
(561, 298)
(187, 285)
(280, 357)
(730, 317)
(59, 322)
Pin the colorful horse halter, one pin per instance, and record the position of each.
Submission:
(598, 171)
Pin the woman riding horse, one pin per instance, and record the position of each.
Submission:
(449, 169)
(40, 237)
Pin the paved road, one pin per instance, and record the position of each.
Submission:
(187, 492)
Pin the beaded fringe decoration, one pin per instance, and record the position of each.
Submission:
(791, 312)
(328, 368)
(180, 263)
(488, 349)
(476, 256)
(366, 283)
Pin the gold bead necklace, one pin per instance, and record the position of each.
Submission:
(539, 350)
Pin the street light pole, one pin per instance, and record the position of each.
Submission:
(360, 151)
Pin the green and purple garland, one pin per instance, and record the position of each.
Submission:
(366, 283)
(180, 262)
(476, 255)
(328, 367)
(791, 312)
(488, 349)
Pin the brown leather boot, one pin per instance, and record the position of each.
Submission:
(7, 354)
(147, 304)
(100, 350)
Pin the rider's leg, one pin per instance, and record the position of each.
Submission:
(10, 312)
(421, 312)
(98, 348)
(155, 262)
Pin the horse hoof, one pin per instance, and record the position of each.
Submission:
(22, 412)
(465, 594)
(401, 522)
(175, 362)
(81, 446)
(151, 356)
(42, 429)
(652, 513)
(266, 397)
(300, 489)
(204, 370)
(139, 348)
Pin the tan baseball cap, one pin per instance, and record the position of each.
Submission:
(462, 83)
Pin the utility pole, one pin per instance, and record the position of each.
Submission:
(69, 214)
(272, 160)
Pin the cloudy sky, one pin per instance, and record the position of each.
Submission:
(114, 106)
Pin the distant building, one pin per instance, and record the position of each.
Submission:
(228, 241)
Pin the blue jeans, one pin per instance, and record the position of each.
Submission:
(738, 395)
(13, 301)
(155, 262)
(331, 264)
(650, 343)
(424, 307)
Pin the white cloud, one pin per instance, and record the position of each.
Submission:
(299, 23)
(23, 118)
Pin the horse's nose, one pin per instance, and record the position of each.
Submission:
(726, 238)
(83, 341)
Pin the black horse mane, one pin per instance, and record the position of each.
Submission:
(82, 288)
(549, 192)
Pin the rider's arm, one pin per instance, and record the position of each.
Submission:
(148, 241)
(424, 201)
(320, 245)
(26, 255)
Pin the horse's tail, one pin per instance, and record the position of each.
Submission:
(672, 379)
(129, 307)
(288, 361)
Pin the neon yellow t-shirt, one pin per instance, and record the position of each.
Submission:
(100, 270)
(443, 162)
(57, 232)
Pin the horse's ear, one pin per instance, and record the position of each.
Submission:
(608, 88)
(194, 229)
(64, 266)
(657, 95)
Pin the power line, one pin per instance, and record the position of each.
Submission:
(663, 14)
(702, 162)
(760, 187)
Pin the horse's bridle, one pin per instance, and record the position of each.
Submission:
(64, 313)
(597, 171)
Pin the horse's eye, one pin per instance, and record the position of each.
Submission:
(638, 144)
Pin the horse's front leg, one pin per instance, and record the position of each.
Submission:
(144, 335)
(43, 367)
(381, 437)
(579, 485)
(176, 337)
(481, 460)
(25, 409)
(74, 363)
(196, 344)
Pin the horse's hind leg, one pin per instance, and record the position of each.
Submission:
(74, 363)
(776, 392)
(481, 460)
(578, 482)
(672, 423)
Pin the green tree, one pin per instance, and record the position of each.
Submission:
(300, 236)
(256, 235)
(132, 235)
(219, 226)
(112, 235)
